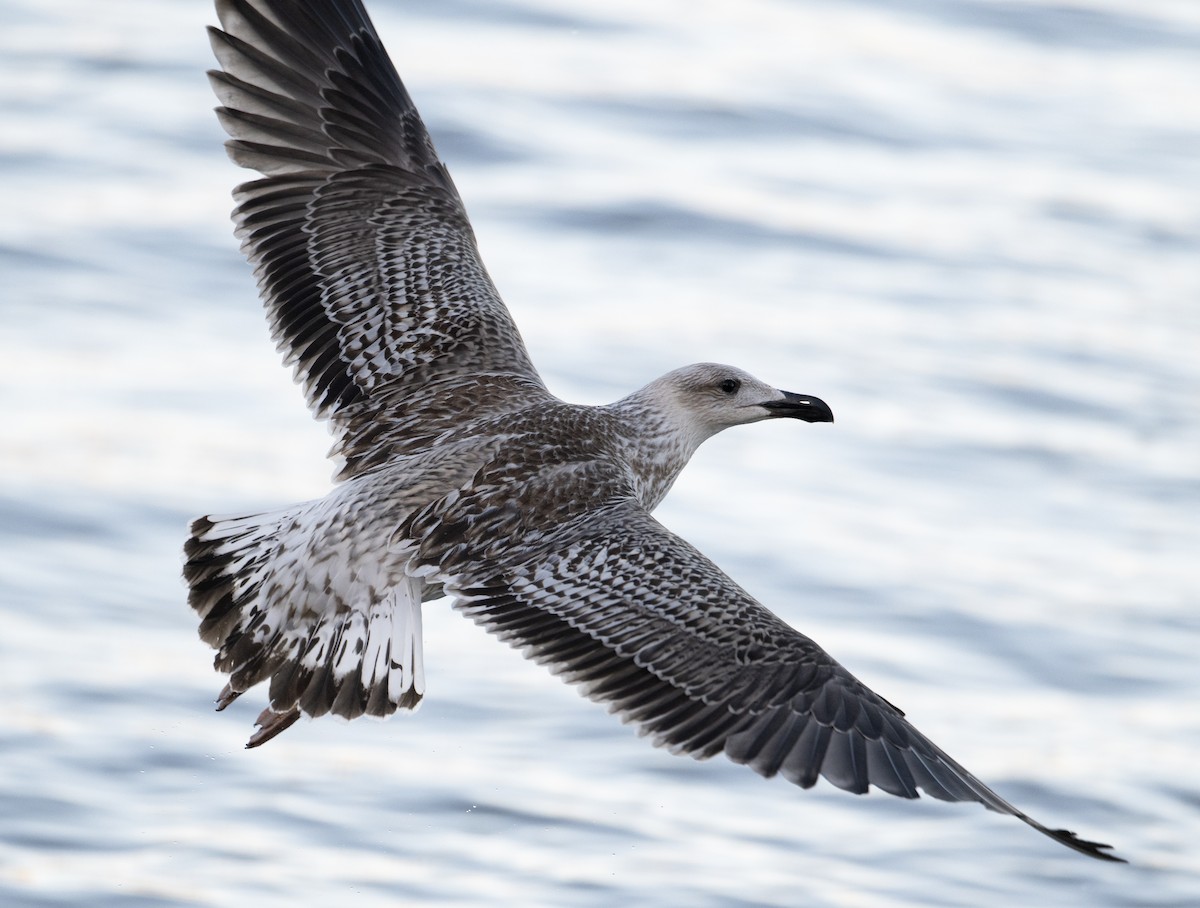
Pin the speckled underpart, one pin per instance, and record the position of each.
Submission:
(463, 476)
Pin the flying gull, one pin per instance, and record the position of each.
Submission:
(463, 476)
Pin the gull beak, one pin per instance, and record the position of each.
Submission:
(800, 406)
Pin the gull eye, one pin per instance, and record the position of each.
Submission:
(730, 385)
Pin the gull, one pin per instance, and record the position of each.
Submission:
(463, 476)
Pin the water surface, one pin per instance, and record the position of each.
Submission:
(971, 226)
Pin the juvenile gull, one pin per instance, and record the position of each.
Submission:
(464, 476)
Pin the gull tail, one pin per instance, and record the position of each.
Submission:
(279, 599)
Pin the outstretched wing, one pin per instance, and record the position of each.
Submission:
(643, 622)
(365, 258)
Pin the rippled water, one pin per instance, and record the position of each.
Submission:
(971, 226)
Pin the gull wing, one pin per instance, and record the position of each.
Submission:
(364, 255)
(643, 622)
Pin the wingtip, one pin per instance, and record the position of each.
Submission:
(1097, 850)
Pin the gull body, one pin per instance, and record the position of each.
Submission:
(463, 476)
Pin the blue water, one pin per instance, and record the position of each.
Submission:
(972, 227)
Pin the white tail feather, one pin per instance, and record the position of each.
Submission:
(284, 597)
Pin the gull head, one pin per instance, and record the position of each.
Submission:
(709, 397)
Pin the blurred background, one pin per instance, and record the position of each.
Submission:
(972, 226)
